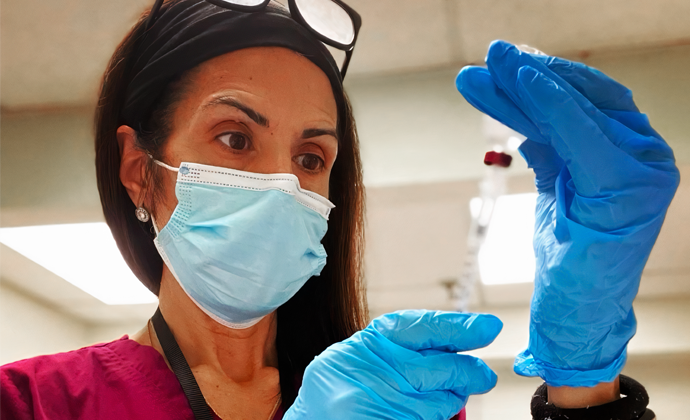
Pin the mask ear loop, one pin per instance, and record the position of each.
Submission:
(164, 165)
(168, 167)
(155, 228)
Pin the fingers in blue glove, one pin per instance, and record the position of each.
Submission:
(601, 90)
(423, 345)
(610, 97)
(480, 90)
(444, 331)
(545, 163)
(504, 61)
(403, 366)
(460, 374)
(592, 158)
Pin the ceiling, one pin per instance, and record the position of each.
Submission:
(54, 52)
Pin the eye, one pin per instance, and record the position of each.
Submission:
(310, 162)
(235, 140)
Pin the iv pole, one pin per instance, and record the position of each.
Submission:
(500, 139)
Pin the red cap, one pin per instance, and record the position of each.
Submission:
(499, 159)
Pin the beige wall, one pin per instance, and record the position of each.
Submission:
(29, 328)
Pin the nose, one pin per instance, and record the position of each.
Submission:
(272, 161)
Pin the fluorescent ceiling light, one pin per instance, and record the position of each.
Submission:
(85, 255)
(507, 256)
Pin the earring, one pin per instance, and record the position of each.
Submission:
(142, 214)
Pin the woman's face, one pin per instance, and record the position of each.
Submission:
(263, 110)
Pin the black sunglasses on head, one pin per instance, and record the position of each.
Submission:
(331, 21)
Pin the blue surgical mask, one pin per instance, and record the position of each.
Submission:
(242, 244)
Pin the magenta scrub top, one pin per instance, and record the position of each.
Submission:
(117, 380)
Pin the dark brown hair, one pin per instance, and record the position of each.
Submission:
(328, 309)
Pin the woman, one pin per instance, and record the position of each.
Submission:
(228, 168)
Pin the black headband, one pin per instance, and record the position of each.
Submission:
(190, 32)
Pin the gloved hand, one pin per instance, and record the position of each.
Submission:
(605, 179)
(402, 366)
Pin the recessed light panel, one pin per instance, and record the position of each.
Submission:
(83, 254)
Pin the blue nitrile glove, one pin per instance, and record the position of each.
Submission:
(605, 179)
(402, 366)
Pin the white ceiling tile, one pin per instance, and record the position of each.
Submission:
(401, 34)
(565, 26)
(56, 51)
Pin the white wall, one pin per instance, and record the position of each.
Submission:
(29, 328)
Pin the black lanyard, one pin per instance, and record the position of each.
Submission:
(180, 367)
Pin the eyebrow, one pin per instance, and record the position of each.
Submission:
(316, 132)
(262, 120)
(228, 101)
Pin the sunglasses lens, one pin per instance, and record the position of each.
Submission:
(328, 19)
(245, 2)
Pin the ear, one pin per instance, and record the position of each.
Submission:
(132, 164)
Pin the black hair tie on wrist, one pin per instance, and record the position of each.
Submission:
(631, 407)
